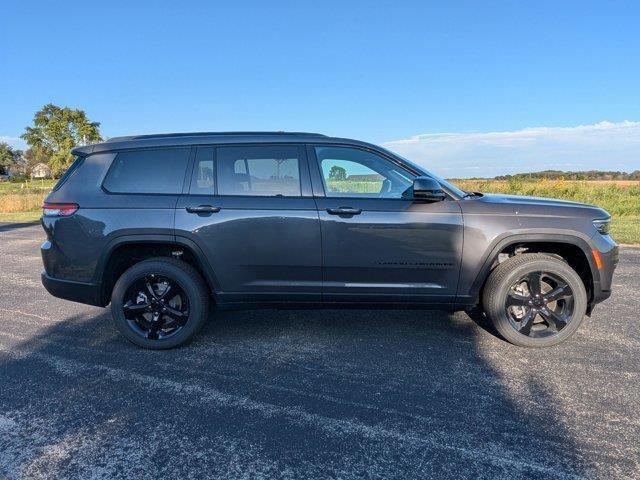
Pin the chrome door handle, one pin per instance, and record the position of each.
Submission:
(344, 211)
(203, 209)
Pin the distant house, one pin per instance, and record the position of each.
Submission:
(40, 170)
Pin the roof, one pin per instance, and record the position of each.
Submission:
(212, 134)
(207, 138)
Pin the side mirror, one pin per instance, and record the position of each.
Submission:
(426, 188)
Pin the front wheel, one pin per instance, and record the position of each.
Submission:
(535, 300)
(160, 303)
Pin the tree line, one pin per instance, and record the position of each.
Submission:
(584, 175)
(54, 133)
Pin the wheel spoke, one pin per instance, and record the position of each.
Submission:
(534, 281)
(132, 309)
(554, 320)
(150, 289)
(136, 307)
(561, 291)
(177, 315)
(166, 291)
(524, 326)
(156, 325)
(514, 299)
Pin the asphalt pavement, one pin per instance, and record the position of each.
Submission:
(311, 394)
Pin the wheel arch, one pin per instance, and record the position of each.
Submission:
(562, 245)
(123, 252)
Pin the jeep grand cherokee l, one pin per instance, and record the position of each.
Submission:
(164, 227)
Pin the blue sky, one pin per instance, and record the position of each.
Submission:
(430, 79)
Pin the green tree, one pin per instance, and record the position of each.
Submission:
(56, 130)
(8, 157)
(337, 173)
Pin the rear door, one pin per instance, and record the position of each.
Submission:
(250, 210)
(378, 243)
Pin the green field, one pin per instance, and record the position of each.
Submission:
(21, 202)
(620, 198)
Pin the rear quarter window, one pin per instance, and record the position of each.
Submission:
(65, 176)
(148, 171)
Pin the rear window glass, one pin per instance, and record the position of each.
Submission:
(259, 171)
(148, 171)
(65, 176)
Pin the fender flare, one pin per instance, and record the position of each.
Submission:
(509, 239)
(119, 241)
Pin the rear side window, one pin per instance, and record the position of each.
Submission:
(203, 180)
(148, 171)
(65, 176)
(259, 171)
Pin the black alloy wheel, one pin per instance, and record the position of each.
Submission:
(155, 307)
(535, 299)
(539, 304)
(160, 303)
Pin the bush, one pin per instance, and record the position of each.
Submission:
(18, 179)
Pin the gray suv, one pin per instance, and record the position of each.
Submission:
(165, 227)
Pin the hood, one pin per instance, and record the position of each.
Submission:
(544, 206)
(542, 201)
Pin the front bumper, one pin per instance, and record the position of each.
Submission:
(609, 253)
(80, 292)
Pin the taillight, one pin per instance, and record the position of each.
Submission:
(59, 209)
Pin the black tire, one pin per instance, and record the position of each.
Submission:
(189, 290)
(529, 320)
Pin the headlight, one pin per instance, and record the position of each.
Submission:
(602, 225)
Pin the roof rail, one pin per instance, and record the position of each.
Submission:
(209, 134)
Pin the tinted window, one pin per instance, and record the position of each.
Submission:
(203, 180)
(65, 176)
(263, 170)
(351, 172)
(148, 171)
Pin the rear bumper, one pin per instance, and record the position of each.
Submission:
(80, 292)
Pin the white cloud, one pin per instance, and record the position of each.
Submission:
(15, 142)
(601, 146)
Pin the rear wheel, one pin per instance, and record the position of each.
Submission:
(160, 303)
(535, 300)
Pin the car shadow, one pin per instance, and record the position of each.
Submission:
(279, 394)
(6, 227)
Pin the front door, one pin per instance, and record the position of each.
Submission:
(378, 244)
(250, 210)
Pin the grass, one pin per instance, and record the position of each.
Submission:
(620, 199)
(20, 217)
(43, 185)
(21, 202)
(626, 229)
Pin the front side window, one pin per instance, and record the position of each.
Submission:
(351, 172)
(148, 171)
(259, 171)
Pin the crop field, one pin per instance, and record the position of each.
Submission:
(620, 198)
(21, 202)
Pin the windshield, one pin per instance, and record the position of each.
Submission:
(449, 186)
